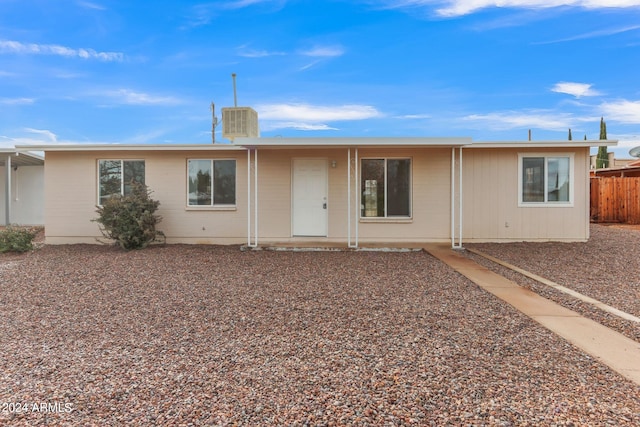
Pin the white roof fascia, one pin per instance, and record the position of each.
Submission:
(130, 147)
(33, 157)
(544, 144)
(322, 142)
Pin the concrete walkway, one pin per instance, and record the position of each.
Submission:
(620, 353)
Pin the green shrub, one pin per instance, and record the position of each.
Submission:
(130, 220)
(17, 239)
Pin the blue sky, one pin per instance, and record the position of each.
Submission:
(102, 71)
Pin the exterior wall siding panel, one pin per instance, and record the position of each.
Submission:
(491, 211)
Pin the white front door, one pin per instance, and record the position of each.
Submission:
(309, 197)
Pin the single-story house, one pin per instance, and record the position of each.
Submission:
(21, 188)
(335, 191)
(630, 168)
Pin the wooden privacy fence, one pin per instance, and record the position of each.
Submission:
(615, 199)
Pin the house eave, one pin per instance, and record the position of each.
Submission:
(20, 158)
(129, 147)
(351, 142)
(543, 144)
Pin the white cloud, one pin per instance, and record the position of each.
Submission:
(626, 140)
(594, 34)
(576, 89)
(414, 116)
(16, 101)
(311, 117)
(622, 111)
(30, 137)
(533, 119)
(127, 96)
(453, 8)
(297, 126)
(10, 46)
(316, 113)
(465, 7)
(239, 4)
(323, 51)
(90, 5)
(309, 65)
(254, 53)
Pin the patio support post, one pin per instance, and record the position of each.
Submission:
(349, 197)
(460, 201)
(249, 197)
(357, 213)
(7, 191)
(454, 215)
(453, 197)
(252, 243)
(255, 193)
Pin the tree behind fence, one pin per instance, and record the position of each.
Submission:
(615, 199)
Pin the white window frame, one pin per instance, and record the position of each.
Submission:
(121, 172)
(386, 187)
(212, 206)
(546, 203)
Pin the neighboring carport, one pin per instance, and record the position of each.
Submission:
(21, 187)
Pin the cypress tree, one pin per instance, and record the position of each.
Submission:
(570, 138)
(602, 160)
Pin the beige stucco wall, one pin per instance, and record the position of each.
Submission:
(71, 196)
(490, 203)
(431, 171)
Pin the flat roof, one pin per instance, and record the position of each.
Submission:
(545, 144)
(20, 158)
(241, 144)
(337, 142)
(130, 147)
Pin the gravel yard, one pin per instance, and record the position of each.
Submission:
(205, 335)
(606, 268)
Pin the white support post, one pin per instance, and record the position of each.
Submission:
(7, 198)
(349, 197)
(453, 197)
(255, 192)
(357, 197)
(456, 215)
(460, 200)
(252, 243)
(249, 197)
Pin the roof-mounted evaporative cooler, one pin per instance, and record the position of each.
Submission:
(239, 122)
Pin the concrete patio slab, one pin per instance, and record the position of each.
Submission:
(620, 353)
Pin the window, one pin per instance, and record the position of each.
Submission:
(385, 188)
(117, 176)
(211, 182)
(546, 179)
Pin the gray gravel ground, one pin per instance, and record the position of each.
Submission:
(606, 268)
(202, 335)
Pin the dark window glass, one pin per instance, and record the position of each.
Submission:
(398, 175)
(117, 176)
(224, 182)
(386, 187)
(533, 179)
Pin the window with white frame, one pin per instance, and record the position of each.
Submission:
(385, 188)
(211, 182)
(116, 177)
(546, 179)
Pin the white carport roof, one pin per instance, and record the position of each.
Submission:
(20, 158)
